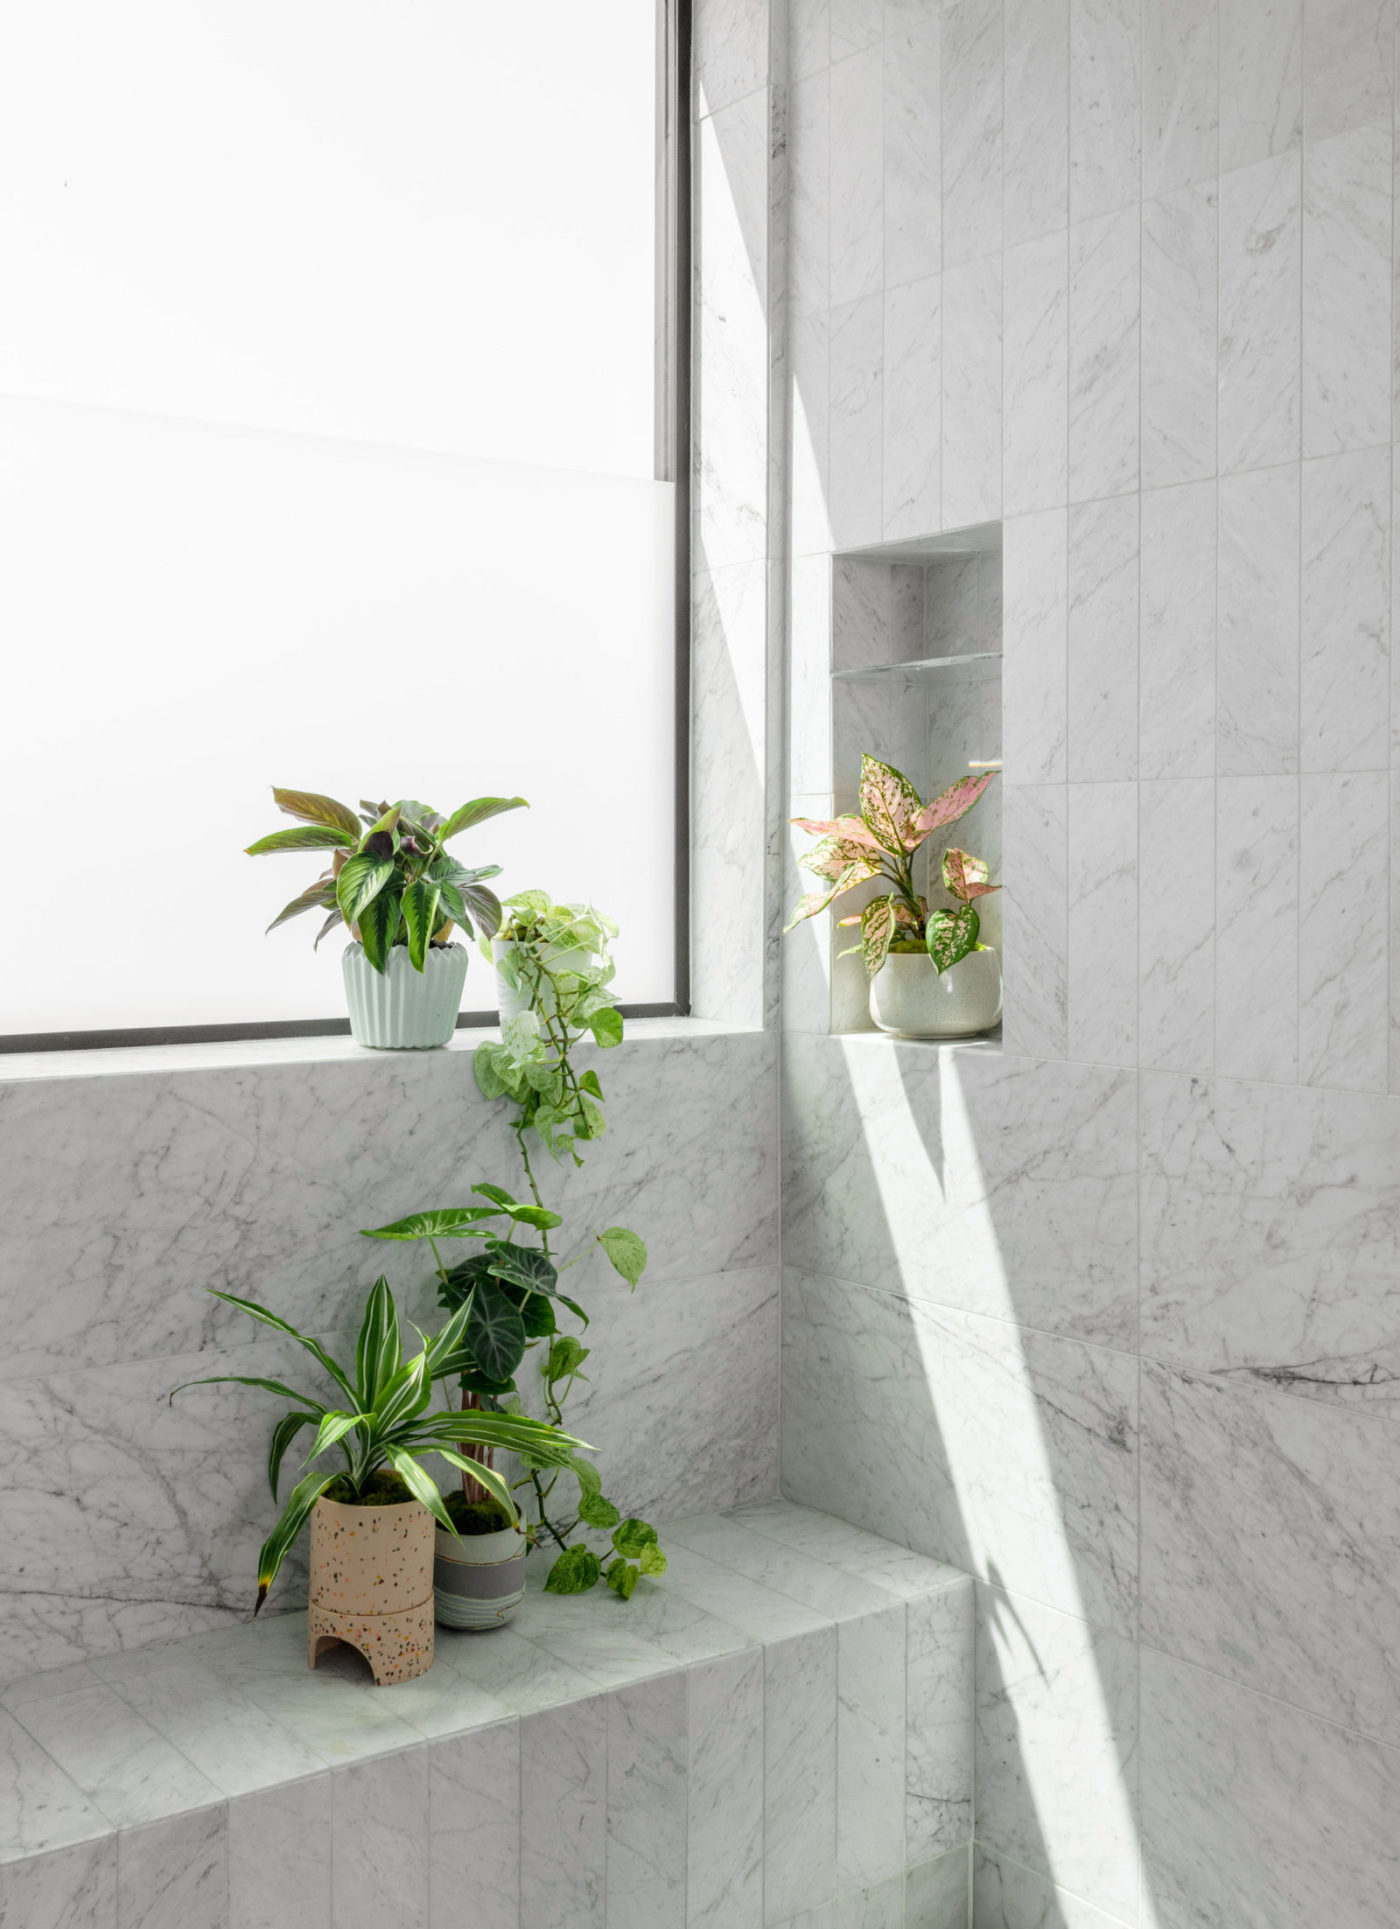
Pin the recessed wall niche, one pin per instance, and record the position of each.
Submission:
(916, 681)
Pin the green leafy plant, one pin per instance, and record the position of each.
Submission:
(391, 879)
(382, 1419)
(881, 842)
(555, 957)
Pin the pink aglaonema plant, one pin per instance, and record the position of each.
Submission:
(880, 843)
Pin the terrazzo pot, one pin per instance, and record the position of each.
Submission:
(372, 1585)
(479, 1579)
(913, 1000)
(400, 1009)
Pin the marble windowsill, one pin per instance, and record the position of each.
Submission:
(16, 1067)
(95, 1758)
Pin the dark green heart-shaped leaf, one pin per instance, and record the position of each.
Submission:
(495, 1332)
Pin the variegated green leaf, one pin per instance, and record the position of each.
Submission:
(956, 801)
(951, 935)
(877, 929)
(361, 879)
(965, 876)
(889, 803)
(420, 914)
(306, 837)
(379, 925)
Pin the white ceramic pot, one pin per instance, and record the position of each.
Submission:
(479, 1579)
(912, 999)
(403, 1009)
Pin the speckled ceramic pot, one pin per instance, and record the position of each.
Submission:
(479, 1579)
(910, 998)
(372, 1585)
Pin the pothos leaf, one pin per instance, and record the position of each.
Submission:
(622, 1578)
(632, 1536)
(576, 1570)
(951, 935)
(627, 1251)
(594, 1511)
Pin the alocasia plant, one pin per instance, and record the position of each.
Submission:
(894, 823)
(391, 879)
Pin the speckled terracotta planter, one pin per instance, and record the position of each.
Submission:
(372, 1585)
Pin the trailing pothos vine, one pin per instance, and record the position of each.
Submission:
(556, 973)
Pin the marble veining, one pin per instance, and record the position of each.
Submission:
(1103, 571)
(1035, 640)
(1179, 298)
(1103, 923)
(1176, 636)
(1261, 79)
(1035, 921)
(1035, 137)
(1347, 195)
(911, 400)
(724, 1872)
(972, 124)
(971, 400)
(912, 150)
(1261, 239)
(1176, 942)
(1345, 611)
(1180, 109)
(1258, 647)
(1105, 307)
(1105, 105)
(1035, 375)
(1343, 863)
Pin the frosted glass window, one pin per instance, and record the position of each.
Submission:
(327, 431)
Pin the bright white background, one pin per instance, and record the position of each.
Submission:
(316, 319)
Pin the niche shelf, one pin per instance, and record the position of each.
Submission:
(916, 681)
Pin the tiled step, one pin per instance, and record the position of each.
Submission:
(777, 1732)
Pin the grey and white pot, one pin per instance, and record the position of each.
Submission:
(909, 997)
(401, 1009)
(479, 1580)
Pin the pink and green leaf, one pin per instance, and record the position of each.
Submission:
(853, 829)
(878, 923)
(965, 876)
(889, 804)
(817, 901)
(954, 802)
(835, 854)
(951, 935)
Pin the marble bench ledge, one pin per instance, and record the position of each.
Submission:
(781, 1722)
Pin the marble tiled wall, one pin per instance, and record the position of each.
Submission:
(1107, 1316)
(126, 1192)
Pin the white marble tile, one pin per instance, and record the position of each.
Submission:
(1176, 637)
(1035, 641)
(912, 146)
(563, 1805)
(41, 1808)
(1105, 106)
(1035, 375)
(1300, 1186)
(1181, 89)
(730, 477)
(1260, 349)
(823, 1917)
(648, 1754)
(912, 404)
(1257, 646)
(443, 1701)
(1004, 1185)
(228, 1737)
(1007, 1896)
(1344, 869)
(1256, 1815)
(1261, 79)
(809, 37)
(1347, 183)
(1103, 923)
(809, 194)
(870, 1748)
(1018, 1451)
(759, 1612)
(1270, 1534)
(131, 1773)
(857, 410)
(1179, 300)
(1105, 278)
(279, 1857)
(1035, 963)
(73, 1888)
(660, 1624)
(972, 110)
(1345, 611)
(857, 187)
(174, 1874)
(855, 24)
(730, 52)
(379, 1842)
(1103, 569)
(799, 1774)
(898, 1570)
(1394, 1079)
(879, 1907)
(809, 431)
(937, 1895)
(832, 1593)
(1057, 1748)
(527, 1678)
(724, 1793)
(1349, 64)
(1036, 118)
(938, 1781)
(1176, 924)
(1256, 945)
(972, 310)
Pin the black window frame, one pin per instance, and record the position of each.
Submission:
(673, 413)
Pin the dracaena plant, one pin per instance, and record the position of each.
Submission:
(391, 878)
(380, 1416)
(880, 843)
(511, 1294)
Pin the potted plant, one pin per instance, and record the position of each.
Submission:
(372, 1522)
(392, 883)
(929, 975)
(545, 951)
